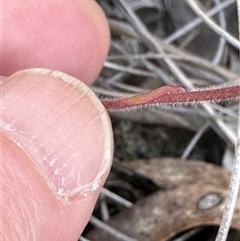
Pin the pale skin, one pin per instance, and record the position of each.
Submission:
(56, 138)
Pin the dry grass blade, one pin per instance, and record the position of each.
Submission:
(235, 177)
(235, 42)
(188, 27)
(120, 236)
(117, 198)
(187, 235)
(222, 41)
(128, 69)
(83, 239)
(194, 140)
(186, 56)
(233, 192)
(153, 44)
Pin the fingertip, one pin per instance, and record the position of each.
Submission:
(57, 154)
(69, 36)
(61, 123)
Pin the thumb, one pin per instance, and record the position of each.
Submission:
(56, 154)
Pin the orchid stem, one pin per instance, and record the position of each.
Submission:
(171, 95)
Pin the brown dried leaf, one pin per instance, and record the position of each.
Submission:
(174, 172)
(197, 198)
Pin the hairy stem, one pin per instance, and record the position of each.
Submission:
(172, 95)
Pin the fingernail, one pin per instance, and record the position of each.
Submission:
(63, 127)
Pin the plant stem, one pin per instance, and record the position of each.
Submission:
(172, 95)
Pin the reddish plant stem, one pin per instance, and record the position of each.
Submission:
(173, 95)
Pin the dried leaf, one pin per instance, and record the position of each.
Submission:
(196, 198)
(174, 172)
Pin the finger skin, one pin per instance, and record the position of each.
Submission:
(41, 199)
(30, 209)
(70, 36)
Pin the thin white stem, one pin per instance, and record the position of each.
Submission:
(233, 193)
(153, 43)
(235, 178)
(232, 40)
(131, 70)
(83, 239)
(222, 41)
(106, 228)
(116, 198)
(194, 141)
(193, 24)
